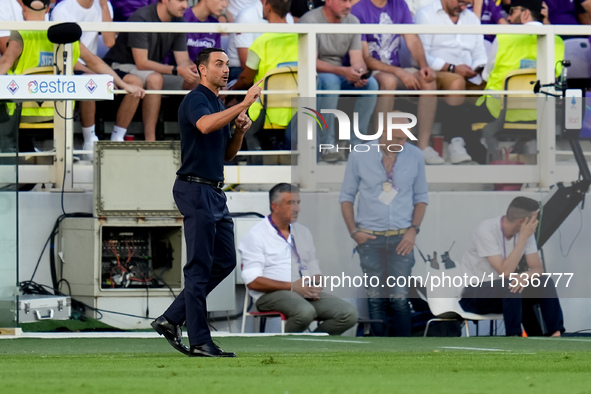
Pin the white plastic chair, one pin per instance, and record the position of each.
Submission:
(449, 309)
(445, 304)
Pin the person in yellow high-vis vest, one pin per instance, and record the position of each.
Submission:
(265, 54)
(28, 49)
(513, 52)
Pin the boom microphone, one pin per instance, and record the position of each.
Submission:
(64, 33)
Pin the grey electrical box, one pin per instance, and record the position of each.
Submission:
(133, 248)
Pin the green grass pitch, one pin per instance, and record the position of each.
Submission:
(299, 364)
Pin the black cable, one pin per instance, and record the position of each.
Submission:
(147, 300)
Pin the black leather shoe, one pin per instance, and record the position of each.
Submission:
(171, 332)
(209, 349)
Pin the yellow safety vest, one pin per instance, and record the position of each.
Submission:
(515, 52)
(37, 52)
(273, 49)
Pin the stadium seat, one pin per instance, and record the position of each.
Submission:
(517, 120)
(449, 309)
(262, 315)
(445, 304)
(577, 51)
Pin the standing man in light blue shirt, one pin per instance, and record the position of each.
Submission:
(392, 188)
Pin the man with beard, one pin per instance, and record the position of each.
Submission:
(206, 142)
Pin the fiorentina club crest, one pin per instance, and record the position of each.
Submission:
(12, 87)
(91, 86)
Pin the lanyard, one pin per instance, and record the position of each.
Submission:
(292, 245)
(503, 232)
(389, 174)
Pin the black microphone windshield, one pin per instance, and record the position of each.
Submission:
(64, 33)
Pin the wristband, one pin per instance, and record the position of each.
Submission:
(174, 70)
(355, 231)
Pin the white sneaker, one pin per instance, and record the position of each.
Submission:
(457, 151)
(89, 145)
(330, 155)
(432, 157)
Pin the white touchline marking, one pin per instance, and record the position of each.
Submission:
(474, 348)
(562, 339)
(323, 340)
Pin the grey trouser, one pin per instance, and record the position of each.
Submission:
(335, 316)
(171, 82)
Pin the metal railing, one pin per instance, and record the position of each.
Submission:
(544, 173)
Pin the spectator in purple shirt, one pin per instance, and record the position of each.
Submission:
(568, 12)
(206, 11)
(490, 12)
(381, 53)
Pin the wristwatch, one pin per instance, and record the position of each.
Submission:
(417, 228)
(174, 70)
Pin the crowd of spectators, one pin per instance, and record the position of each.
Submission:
(165, 61)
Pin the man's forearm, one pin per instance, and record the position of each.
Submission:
(267, 285)
(349, 216)
(210, 123)
(418, 213)
(234, 145)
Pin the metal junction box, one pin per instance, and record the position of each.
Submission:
(129, 256)
(33, 308)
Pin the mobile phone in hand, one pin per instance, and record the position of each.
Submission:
(366, 75)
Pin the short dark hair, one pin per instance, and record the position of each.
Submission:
(533, 6)
(280, 7)
(279, 188)
(203, 56)
(521, 207)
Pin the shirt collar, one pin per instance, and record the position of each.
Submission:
(208, 93)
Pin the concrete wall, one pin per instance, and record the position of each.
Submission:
(450, 217)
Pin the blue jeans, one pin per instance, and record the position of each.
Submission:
(388, 303)
(364, 105)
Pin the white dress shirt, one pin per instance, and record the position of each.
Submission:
(451, 48)
(267, 254)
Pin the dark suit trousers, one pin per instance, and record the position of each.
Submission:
(211, 254)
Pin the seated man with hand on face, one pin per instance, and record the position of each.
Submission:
(495, 250)
(276, 253)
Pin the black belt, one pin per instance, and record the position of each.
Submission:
(196, 179)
